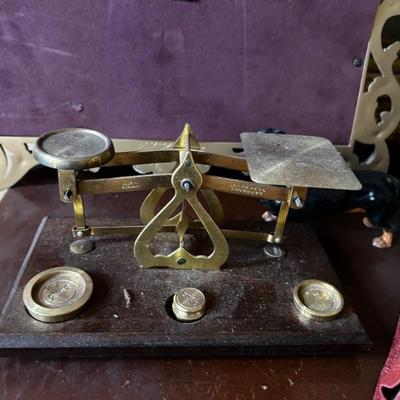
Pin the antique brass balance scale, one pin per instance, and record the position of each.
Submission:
(272, 166)
(187, 181)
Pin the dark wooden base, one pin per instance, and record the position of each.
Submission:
(250, 307)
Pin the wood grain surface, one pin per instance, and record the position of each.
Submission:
(250, 308)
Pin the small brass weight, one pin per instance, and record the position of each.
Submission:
(281, 167)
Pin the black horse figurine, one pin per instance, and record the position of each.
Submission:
(379, 199)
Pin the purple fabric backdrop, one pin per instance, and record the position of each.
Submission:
(141, 68)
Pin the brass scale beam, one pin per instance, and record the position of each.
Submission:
(187, 181)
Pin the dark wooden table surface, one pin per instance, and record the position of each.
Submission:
(370, 277)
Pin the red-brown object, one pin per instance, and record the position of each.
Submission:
(388, 387)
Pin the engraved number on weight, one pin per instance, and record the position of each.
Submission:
(319, 300)
(247, 189)
(190, 299)
(54, 295)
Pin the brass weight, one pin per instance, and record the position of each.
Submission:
(57, 294)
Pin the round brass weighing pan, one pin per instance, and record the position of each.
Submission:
(318, 300)
(73, 149)
(57, 294)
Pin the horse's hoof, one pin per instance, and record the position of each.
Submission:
(380, 243)
(269, 217)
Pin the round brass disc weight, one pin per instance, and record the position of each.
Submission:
(57, 294)
(73, 149)
(318, 300)
(189, 304)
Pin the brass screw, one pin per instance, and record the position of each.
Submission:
(357, 61)
(67, 194)
(186, 184)
(298, 202)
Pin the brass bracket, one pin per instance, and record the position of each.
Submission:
(186, 181)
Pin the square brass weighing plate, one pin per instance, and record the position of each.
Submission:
(295, 160)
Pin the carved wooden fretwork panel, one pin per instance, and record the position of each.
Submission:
(367, 128)
(15, 159)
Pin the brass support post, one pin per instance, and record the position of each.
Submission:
(277, 236)
(79, 212)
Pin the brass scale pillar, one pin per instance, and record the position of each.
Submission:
(187, 180)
